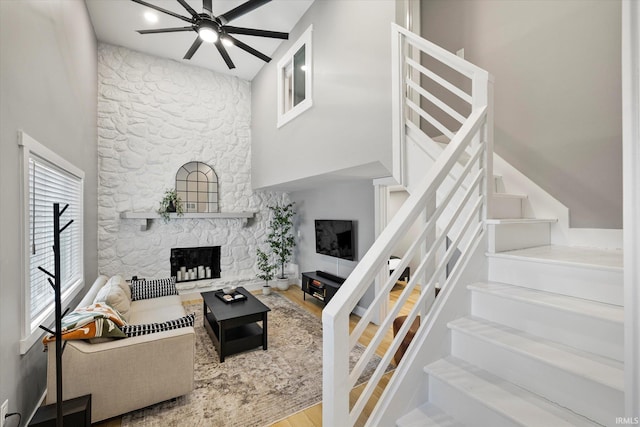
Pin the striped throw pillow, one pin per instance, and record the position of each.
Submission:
(150, 328)
(145, 289)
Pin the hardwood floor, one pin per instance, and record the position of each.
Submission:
(312, 416)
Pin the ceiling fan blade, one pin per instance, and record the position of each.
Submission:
(206, 5)
(188, 8)
(225, 55)
(159, 9)
(196, 44)
(255, 32)
(244, 8)
(166, 30)
(249, 49)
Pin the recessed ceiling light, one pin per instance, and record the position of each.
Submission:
(151, 17)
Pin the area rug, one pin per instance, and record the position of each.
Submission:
(254, 388)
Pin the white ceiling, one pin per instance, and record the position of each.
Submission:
(116, 21)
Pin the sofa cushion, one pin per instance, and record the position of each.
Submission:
(146, 289)
(113, 295)
(149, 328)
(156, 310)
(90, 296)
(119, 280)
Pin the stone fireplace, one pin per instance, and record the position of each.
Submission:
(189, 264)
(144, 136)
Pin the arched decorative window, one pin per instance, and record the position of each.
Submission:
(197, 186)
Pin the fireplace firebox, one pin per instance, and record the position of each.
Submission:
(188, 264)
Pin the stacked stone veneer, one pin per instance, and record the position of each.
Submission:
(154, 115)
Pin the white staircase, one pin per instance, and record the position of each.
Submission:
(522, 333)
(543, 342)
(541, 346)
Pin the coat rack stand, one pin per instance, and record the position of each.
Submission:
(74, 410)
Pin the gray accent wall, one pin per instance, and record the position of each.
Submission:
(349, 124)
(558, 113)
(346, 200)
(48, 88)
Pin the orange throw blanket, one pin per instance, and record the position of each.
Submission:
(96, 320)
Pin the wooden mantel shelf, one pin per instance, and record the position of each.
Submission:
(147, 217)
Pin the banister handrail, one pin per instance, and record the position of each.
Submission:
(451, 197)
(442, 55)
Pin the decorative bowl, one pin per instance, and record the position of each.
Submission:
(229, 290)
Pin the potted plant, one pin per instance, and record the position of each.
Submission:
(266, 268)
(170, 203)
(281, 239)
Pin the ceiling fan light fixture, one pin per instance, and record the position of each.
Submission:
(208, 34)
(214, 29)
(150, 17)
(226, 41)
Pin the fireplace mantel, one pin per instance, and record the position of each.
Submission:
(147, 217)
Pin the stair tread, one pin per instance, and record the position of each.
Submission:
(597, 368)
(497, 221)
(518, 404)
(508, 195)
(428, 415)
(604, 311)
(610, 258)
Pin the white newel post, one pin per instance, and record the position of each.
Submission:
(335, 376)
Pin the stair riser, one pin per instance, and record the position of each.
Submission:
(603, 285)
(506, 237)
(582, 332)
(591, 399)
(466, 409)
(428, 415)
(505, 207)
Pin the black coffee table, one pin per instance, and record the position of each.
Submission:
(233, 326)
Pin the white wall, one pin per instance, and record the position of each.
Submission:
(346, 200)
(557, 92)
(154, 115)
(48, 89)
(349, 123)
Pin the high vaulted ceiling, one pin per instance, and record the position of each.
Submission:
(116, 21)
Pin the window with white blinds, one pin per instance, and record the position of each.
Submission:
(48, 179)
(49, 184)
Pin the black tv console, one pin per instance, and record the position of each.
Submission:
(320, 285)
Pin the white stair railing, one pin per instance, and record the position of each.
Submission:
(451, 220)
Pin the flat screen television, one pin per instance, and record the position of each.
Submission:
(336, 238)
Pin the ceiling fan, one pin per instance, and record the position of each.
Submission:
(214, 29)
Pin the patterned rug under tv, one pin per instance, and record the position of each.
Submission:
(254, 388)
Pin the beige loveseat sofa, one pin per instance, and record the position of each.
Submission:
(126, 374)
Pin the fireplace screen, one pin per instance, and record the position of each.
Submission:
(197, 187)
